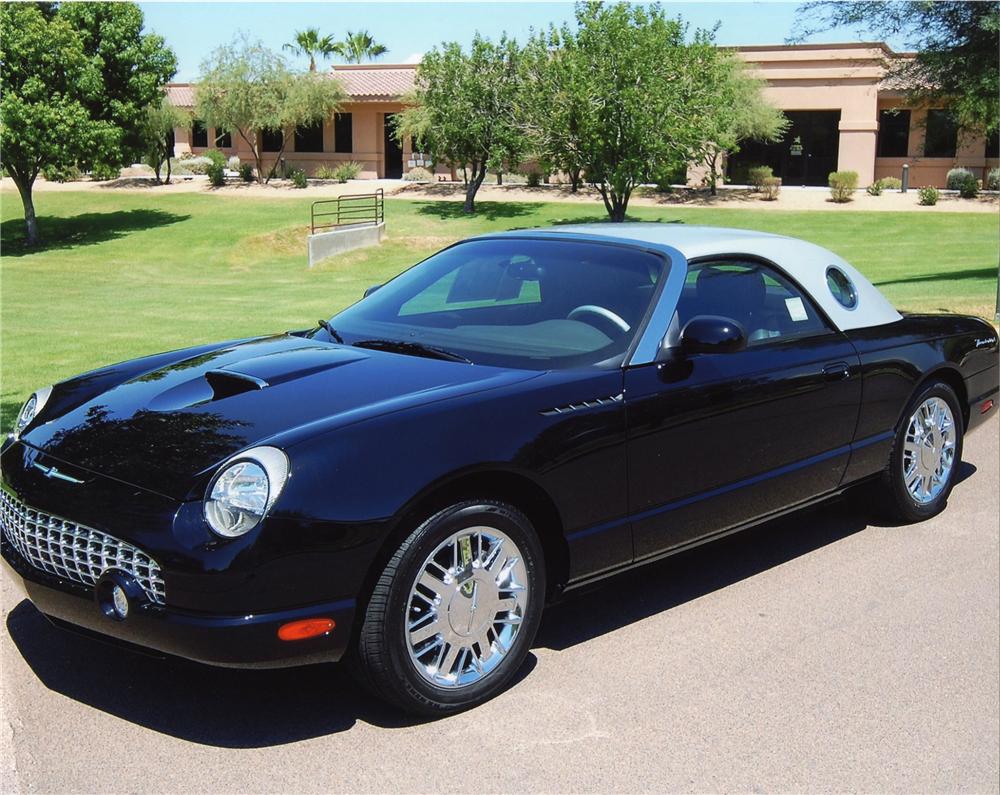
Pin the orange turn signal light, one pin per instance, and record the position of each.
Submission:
(306, 628)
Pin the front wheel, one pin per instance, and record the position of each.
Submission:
(926, 455)
(455, 610)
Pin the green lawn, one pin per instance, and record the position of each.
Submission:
(129, 274)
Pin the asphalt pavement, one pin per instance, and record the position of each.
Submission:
(820, 652)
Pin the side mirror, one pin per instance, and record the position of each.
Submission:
(371, 290)
(712, 334)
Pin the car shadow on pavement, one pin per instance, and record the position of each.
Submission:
(239, 708)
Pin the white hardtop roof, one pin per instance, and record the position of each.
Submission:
(805, 262)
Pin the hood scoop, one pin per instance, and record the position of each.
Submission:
(227, 383)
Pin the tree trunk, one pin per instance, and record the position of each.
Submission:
(499, 178)
(24, 187)
(168, 169)
(574, 180)
(478, 175)
(713, 175)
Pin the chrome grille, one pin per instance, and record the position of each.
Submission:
(74, 551)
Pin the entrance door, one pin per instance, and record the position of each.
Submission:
(393, 150)
(805, 156)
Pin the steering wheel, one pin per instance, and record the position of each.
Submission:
(600, 311)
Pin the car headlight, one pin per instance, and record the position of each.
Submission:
(32, 408)
(244, 489)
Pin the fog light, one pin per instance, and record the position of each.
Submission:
(119, 602)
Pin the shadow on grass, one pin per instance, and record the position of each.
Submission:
(82, 230)
(970, 273)
(449, 211)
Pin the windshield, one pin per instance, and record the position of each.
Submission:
(510, 302)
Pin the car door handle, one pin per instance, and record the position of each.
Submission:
(838, 371)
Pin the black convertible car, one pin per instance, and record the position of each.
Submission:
(407, 485)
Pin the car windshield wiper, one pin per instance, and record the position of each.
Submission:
(413, 349)
(331, 331)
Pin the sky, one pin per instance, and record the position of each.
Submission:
(409, 29)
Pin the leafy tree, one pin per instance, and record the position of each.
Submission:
(739, 113)
(622, 97)
(467, 110)
(359, 47)
(956, 45)
(309, 43)
(75, 82)
(246, 88)
(162, 118)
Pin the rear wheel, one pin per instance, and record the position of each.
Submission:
(455, 610)
(926, 455)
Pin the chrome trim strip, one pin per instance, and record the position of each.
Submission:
(592, 403)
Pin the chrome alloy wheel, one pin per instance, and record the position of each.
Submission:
(465, 607)
(929, 450)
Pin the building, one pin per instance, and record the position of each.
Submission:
(844, 117)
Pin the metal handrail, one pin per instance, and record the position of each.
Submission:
(351, 209)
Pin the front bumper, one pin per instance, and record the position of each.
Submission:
(249, 641)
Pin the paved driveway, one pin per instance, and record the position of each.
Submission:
(819, 652)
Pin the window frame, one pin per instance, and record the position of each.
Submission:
(754, 259)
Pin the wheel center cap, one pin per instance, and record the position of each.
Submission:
(930, 452)
(472, 606)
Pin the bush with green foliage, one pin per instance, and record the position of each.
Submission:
(756, 176)
(298, 178)
(842, 185)
(966, 184)
(61, 174)
(192, 165)
(929, 195)
(217, 157)
(418, 174)
(533, 179)
(233, 163)
(993, 179)
(875, 189)
(771, 187)
(246, 172)
(216, 175)
(325, 172)
(346, 171)
(955, 177)
(891, 183)
(102, 172)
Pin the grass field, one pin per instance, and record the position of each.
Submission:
(129, 274)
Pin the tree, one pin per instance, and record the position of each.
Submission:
(739, 113)
(466, 109)
(622, 97)
(359, 47)
(62, 104)
(956, 47)
(309, 43)
(246, 88)
(162, 118)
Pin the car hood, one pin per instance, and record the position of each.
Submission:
(165, 428)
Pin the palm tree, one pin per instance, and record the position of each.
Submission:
(359, 47)
(309, 42)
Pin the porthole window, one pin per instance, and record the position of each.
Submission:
(841, 287)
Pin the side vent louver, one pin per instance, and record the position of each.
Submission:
(593, 403)
(227, 384)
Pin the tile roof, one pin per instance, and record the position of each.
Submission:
(374, 82)
(181, 95)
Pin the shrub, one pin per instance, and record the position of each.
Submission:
(771, 187)
(891, 183)
(246, 172)
(346, 171)
(233, 164)
(875, 189)
(929, 195)
(966, 184)
(993, 179)
(418, 174)
(533, 178)
(53, 174)
(102, 172)
(194, 165)
(956, 177)
(216, 174)
(216, 157)
(298, 178)
(325, 172)
(842, 185)
(757, 175)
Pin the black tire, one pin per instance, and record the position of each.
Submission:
(899, 503)
(381, 659)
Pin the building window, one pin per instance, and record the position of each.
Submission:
(893, 133)
(309, 137)
(993, 144)
(199, 133)
(942, 134)
(343, 133)
(271, 140)
(223, 138)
